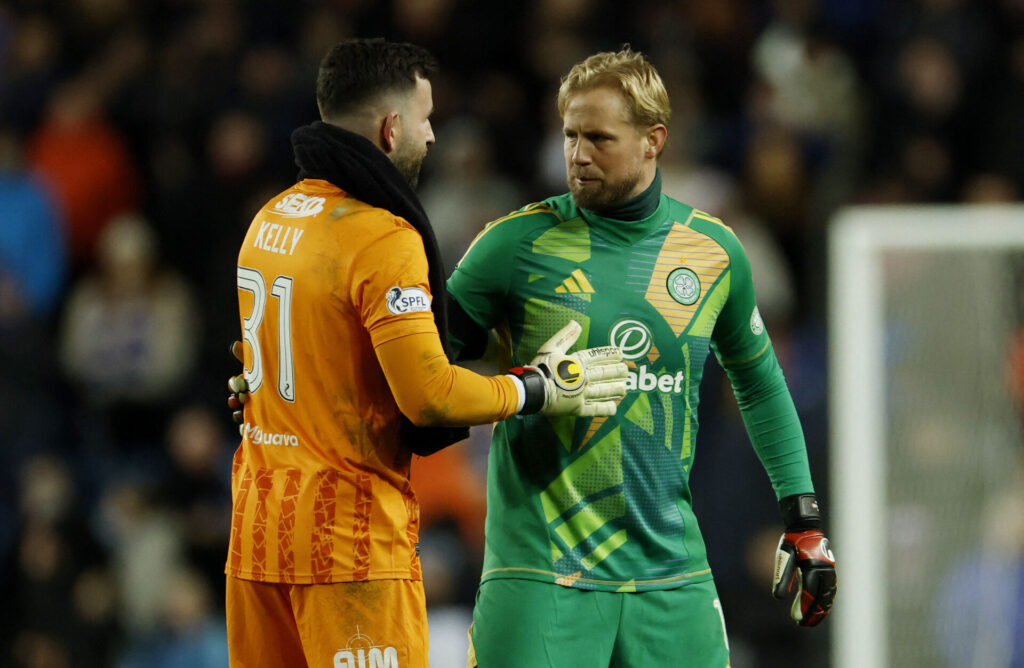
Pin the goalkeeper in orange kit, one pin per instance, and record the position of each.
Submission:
(341, 303)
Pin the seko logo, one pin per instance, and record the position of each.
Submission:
(299, 205)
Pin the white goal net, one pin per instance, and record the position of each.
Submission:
(927, 496)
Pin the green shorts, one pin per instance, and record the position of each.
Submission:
(519, 623)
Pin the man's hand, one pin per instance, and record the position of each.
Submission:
(589, 382)
(805, 567)
(238, 390)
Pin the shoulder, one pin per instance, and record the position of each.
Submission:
(533, 216)
(528, 222)
(358, 218)
(314, 198)
(327, 204)
(716, 230)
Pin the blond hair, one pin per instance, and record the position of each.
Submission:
(627, 71)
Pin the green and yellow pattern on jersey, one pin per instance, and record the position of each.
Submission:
(604, 503)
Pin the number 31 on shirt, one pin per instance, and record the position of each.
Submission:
(252, 281)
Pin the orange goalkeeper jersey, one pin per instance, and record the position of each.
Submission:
(321, 481)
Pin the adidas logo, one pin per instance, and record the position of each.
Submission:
(576, 283)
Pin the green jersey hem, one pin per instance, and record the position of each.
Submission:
(579, 582)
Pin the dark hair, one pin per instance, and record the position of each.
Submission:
(357, 70)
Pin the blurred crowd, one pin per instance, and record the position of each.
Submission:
(138, 138)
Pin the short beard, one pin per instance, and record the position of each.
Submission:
(409, 167)
(609, 196)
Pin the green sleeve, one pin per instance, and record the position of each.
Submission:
(745, 352)
(772, 424)
(479, 285)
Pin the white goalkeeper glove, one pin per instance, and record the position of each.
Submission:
(589, 382)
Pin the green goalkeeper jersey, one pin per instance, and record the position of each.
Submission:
(604, 503)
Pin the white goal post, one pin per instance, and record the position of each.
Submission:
(858, 518)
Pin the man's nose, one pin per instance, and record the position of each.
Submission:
(581, 154)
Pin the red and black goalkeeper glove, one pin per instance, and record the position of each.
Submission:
(805, 567)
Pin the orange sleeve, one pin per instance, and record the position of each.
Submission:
(394, 260)
(431, 391)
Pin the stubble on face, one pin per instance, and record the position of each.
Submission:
(417, 134)
(599, 196)
(408, 160)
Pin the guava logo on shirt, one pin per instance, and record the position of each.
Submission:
(362, 653)
(407, 300)
(257, 436)
(684, 286)
(635, 340)
(299, 205)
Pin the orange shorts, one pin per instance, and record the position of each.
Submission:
(345, 625)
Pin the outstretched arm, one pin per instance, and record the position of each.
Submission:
(431, 391)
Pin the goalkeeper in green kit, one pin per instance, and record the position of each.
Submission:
(593, 554)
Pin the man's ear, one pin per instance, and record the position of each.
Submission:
(655, 136)
(389, 129)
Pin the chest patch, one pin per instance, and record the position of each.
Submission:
(684, 286)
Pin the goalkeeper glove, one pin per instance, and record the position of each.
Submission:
(804, 564)
(588, 382)
(238, 391)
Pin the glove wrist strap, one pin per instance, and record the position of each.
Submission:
(534, 388)
(800, 512)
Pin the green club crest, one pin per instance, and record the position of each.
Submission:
(684, 286)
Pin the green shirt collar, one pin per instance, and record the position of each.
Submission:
(635, 218)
